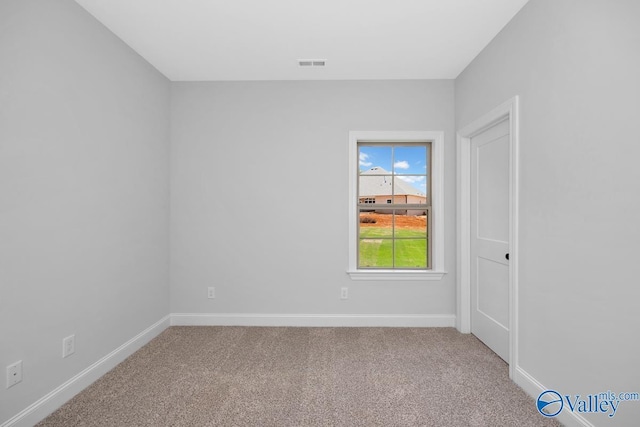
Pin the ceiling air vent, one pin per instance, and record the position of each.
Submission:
(312, 62)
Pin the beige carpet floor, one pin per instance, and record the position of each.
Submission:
(249, 376)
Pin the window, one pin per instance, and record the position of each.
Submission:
(395, 205)
(397, 236)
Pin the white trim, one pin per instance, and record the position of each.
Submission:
(44, 406)
(437, 202)
(533, 388)
(314, 320)
(508, 110)
(396, 275)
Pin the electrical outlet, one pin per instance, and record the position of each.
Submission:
(211, 292)
(68, 346)
(344, 293)
(14, 373)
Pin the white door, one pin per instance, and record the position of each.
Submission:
(490, 238)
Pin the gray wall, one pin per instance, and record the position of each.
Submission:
(84, 142)
(576, 66)
(259, 194)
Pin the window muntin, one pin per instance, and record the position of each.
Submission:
(395, 175)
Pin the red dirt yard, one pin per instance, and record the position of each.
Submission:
(402, 221)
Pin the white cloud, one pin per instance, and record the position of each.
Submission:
(402, 164)
(363, 160)
(411, 179)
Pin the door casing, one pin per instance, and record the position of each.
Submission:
(508, 110)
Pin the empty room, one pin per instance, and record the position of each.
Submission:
(319, 213)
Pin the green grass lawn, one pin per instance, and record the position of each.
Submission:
(376, 248)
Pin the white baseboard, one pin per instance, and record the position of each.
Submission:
(533, 388)
(317, 320)
(56, 398)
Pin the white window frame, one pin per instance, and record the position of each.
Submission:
(436, 138)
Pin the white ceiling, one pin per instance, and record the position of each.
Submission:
(195, 40)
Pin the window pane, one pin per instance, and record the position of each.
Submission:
(374, 189)
(411, 253)
(410, 160)
(411, 225)
(378, 223)
(370, 157)
(375, 253)
(413, 188)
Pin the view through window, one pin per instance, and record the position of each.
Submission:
(394, 205)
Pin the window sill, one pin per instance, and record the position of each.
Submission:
(395, 275)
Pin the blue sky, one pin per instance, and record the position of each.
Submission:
(397, 160)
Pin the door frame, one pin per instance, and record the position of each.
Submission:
(507, 110)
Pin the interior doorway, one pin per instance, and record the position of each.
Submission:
(487, 247)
